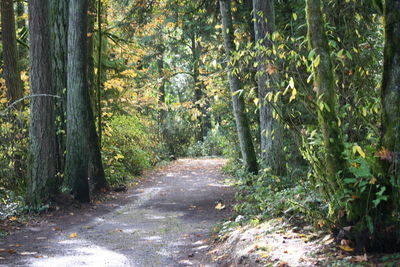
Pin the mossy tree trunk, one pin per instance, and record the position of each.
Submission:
(242, 123)
(42, 158)
(324, 86)
(272, 153)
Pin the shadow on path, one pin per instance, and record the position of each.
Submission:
(165, 221)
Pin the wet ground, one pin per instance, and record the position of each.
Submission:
(164, 221)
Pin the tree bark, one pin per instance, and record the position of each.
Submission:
(242, 124)
(324, 85)
(10, 52)
(42, 158)
(58, 49)
(391, 97)
(77, 159)
(272, 153)
(83, 161)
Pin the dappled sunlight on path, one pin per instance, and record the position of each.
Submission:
(165, 221)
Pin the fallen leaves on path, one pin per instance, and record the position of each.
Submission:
(73, 235)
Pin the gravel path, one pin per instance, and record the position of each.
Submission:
(165, 221)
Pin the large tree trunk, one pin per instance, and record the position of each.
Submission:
(59, 47)
(77, 159)
(83, 162)
(271, 131)
(10, 52)
(391, 99)
(324, 85)
(242, 124)
(42, 182)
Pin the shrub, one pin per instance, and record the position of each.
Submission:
(128, 148)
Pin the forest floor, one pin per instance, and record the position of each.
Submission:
(165, 220)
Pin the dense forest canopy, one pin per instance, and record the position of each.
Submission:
(301, 95)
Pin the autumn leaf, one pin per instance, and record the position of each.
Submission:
(385, 154)
(346, 248)
(220, 206)
(271, 69)
(73, 235)
(359, 150)
(13, 219)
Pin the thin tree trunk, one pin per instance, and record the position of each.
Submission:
(324, 85)
(22, 28)
(12, 75)
(42, 159)
(198, 86)
(242, 124)
(91, 60)
(59, 47)
(99, 70)
(271, 131)
(10, 52)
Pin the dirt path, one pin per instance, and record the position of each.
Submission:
(165, 221)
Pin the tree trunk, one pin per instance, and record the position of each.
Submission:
(99, 69)
(10, 52)
(391, 99)
(83, 162)
(91, 60)
(272, 153)
(198, 89)
(59, 47)
(324, 85)
(242, 124)
(42, 158)
(22, 29)
(77, 159)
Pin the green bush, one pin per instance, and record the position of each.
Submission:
(212, 145)
(128, 148)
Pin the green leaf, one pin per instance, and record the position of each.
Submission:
(317, 61)
(350, 180)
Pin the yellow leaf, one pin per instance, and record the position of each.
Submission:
(317, 61)
(293, 96)
(73, 235)
(256, 101)
(270, 96)
(373, 180)
(13, 219)
(291, 83)
(276, 97)
(359, 150)
(346, 248)
(220, 206)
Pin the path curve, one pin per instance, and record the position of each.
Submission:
(165, 221)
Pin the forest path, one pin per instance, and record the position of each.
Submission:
(164, 221)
